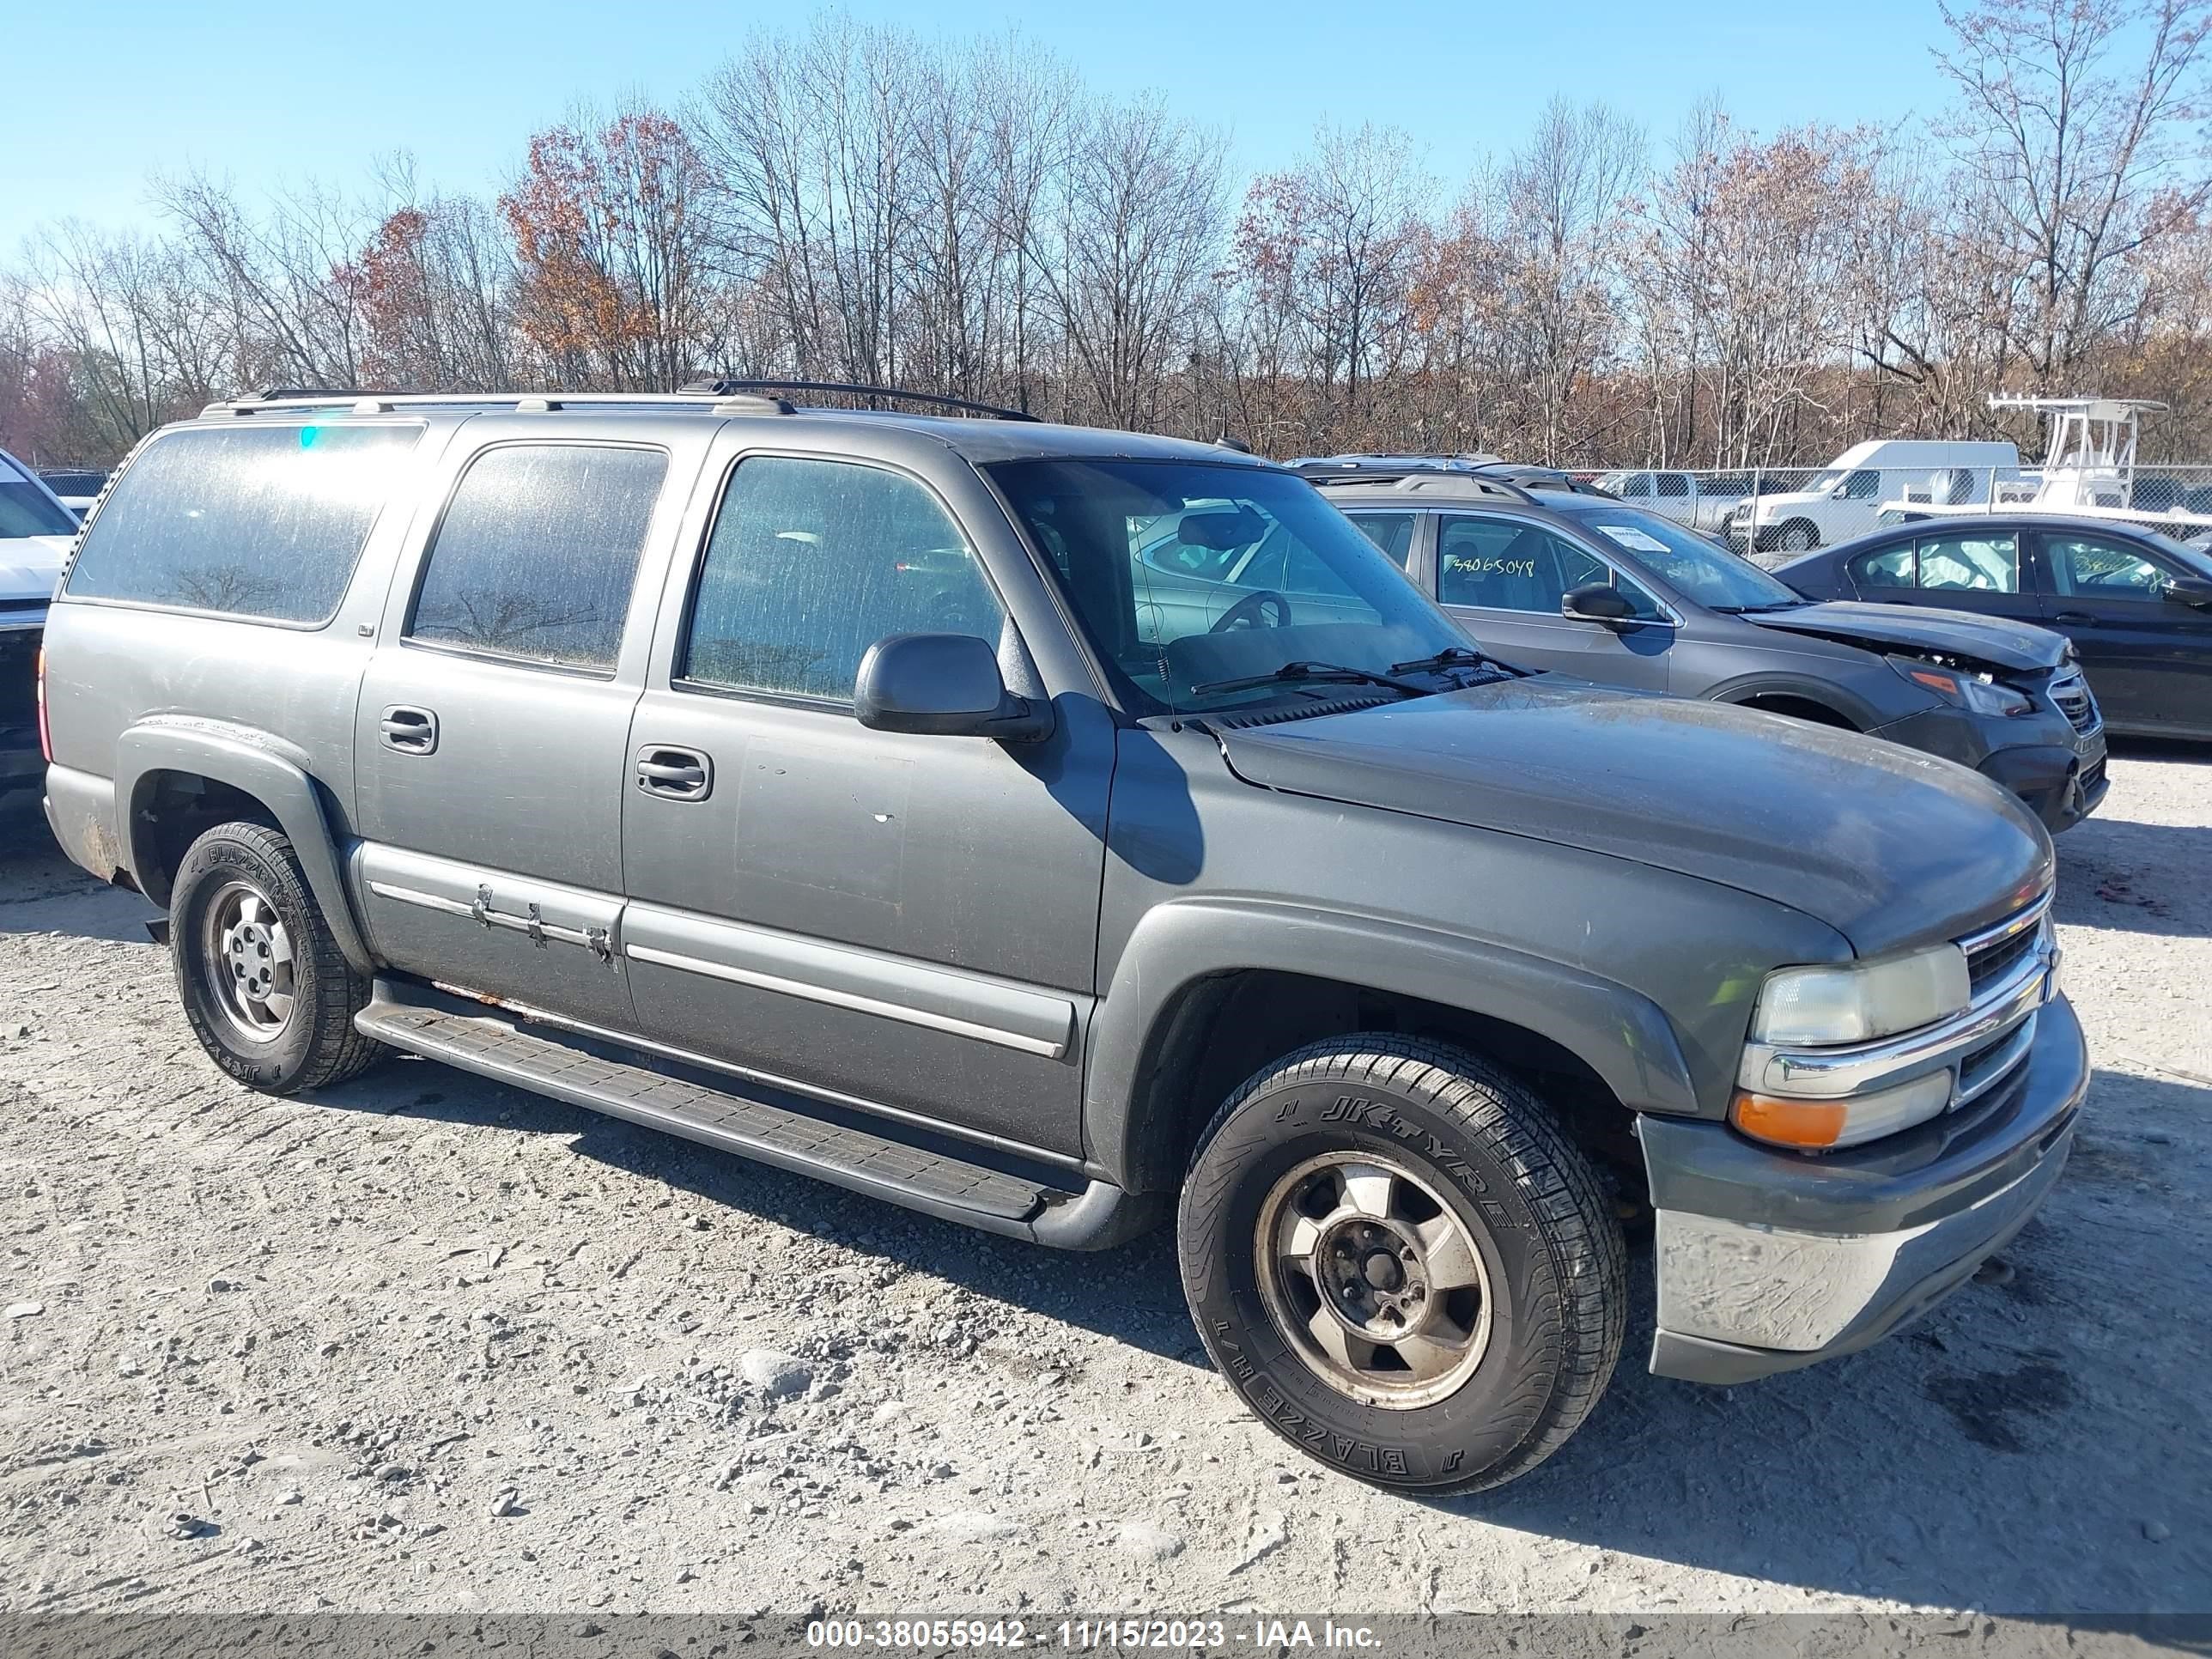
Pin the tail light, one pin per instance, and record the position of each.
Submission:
(46, 736)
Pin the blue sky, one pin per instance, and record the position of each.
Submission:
(267, 95)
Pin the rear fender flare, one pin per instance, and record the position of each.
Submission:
(274, 773)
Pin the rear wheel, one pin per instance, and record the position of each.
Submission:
(267, 991)
(1403, 1264)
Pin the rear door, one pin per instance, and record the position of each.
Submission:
(1503, 578)
(2148, 658)
(1988, 572)
(902, 923)
(491, 741)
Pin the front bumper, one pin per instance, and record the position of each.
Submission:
(1768, 1261)
(2054, 771)
(2062, 786)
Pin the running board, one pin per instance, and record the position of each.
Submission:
(933, 1182)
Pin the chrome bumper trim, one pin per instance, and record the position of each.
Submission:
(1832, 1073)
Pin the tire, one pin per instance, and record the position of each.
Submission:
(1797, 537)
(268, 994)
(1497, 1373)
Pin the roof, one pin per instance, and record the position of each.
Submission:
(1506, 485)
(981, 439)
(1959, 524)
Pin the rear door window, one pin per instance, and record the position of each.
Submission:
(537, 553)
(263, 522)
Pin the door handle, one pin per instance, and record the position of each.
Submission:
(409, 730)
(2073, 618)
(674, 773)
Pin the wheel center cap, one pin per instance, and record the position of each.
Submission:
(1381, 1270)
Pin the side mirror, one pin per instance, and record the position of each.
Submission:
(1595, 602)
(943, 685)
(2191, 590)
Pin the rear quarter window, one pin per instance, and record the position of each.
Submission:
(263, 522)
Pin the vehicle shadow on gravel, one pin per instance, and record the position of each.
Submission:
(2020, 1439)
(41, 891)
(2133, 878)
(1131, 1295)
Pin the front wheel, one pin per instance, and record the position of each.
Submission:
(1403, 1264)
(1797, 537)
(267, 991)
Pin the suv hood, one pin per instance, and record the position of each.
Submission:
(1888, 846)
(30, 566)
(2021, 647)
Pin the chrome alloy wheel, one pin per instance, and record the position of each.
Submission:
(247, 953)
(1373, 1279)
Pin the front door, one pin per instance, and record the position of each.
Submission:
(1503, 578)
(2148, 658)
(904, 923)
(490, 746)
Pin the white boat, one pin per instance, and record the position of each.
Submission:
(2088, 470)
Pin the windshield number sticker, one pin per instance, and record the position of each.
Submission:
(1628, 536)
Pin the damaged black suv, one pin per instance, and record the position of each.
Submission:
(1584, 585)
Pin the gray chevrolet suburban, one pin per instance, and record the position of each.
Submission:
(841, 789)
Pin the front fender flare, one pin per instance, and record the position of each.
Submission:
(1620, 1033)
(274, 773)
(1829, 694)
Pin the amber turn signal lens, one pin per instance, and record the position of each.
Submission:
(1810, 1124)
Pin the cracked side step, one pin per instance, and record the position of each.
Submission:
(903, 1174)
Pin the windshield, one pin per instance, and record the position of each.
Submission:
(1185, 575)
(26, 510)
(1688, 563)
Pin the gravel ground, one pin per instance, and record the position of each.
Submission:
(430, 1344)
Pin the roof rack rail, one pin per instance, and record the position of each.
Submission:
(727, 388)
(522, 403)
(271, 394)
(1413, 478)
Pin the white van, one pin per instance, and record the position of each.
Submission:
(1846, 497)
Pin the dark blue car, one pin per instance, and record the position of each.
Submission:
(2137, 604)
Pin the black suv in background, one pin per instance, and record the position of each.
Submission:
(1579, 582)
(2137, 604)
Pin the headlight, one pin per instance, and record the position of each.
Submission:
(1857, 1002)
(1817, 1125)
(1978, 692)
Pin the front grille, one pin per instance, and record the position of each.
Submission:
(1997, 952)
(2071, 693)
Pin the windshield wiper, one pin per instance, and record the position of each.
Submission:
(1760, 610)
(1454, 656)
(1312, 673)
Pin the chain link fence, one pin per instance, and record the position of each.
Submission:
(1774, 513)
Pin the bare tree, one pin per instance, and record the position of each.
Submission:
(2079, 155)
